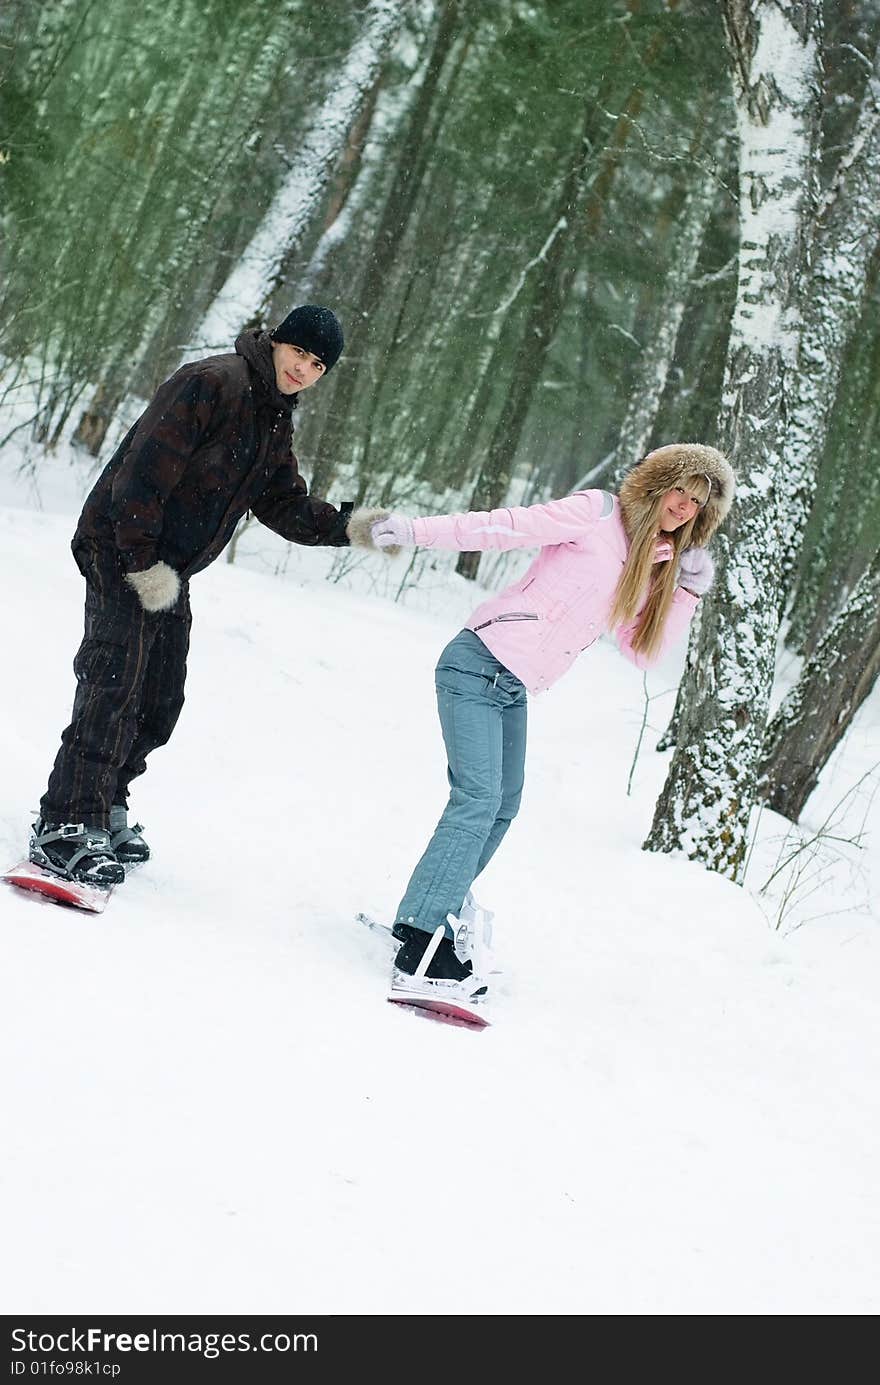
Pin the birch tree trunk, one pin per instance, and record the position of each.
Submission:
(846, 238)
(818, 711)
(250, 286)
(353, 178)
(412, 160)
(831, 298)
(706, 802)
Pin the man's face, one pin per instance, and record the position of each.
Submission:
(295, 369)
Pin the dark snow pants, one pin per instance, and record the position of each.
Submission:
(130, 671)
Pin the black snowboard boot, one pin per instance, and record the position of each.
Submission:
(443, 966)
(75, 852)
(127, 843)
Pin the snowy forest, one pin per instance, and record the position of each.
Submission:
(558, 233)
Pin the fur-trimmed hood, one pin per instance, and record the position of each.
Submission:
(669, 466)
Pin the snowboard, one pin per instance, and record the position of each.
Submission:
(457, 1013)
(27, 876)
(429, 1007)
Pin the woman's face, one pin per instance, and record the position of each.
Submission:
(679, 505)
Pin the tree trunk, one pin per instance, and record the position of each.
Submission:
(819, 710)
(706, 802)
(831, 296)
(411, 163)
(847, 235)
(251, 284)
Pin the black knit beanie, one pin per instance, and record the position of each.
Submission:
(315, 329)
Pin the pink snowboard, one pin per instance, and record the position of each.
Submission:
(447, 1011)
(27, 876)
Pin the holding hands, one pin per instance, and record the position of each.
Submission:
(371, 528)
(696, 571)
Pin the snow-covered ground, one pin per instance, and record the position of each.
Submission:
(209, 1106)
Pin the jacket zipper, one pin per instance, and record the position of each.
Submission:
(511, 615)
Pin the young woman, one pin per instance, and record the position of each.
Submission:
(635, 565)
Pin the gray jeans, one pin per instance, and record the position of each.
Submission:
(482, 707)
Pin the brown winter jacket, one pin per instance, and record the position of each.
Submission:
(214, 442)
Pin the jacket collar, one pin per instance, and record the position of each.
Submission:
(255, 346)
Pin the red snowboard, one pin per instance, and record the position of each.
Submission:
(27, 876)
(447, 1011)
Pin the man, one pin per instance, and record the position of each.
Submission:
(214, 442)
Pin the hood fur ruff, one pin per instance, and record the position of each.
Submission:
(669, 466)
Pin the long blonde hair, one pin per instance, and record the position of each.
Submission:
(641, 572)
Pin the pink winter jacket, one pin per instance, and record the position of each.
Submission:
(538, 625)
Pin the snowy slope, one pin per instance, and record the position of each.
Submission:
(211, 1108)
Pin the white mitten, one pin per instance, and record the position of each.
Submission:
(380, 529)
(696, 571)
(158, 587)
(394, 531)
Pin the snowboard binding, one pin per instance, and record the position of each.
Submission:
(76, 853)
(430, 975)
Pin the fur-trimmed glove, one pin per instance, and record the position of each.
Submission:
(158, 587)
(696, 571)
(662, 551)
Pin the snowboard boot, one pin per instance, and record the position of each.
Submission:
(75, 852)
(426, 960)
(127, 844)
